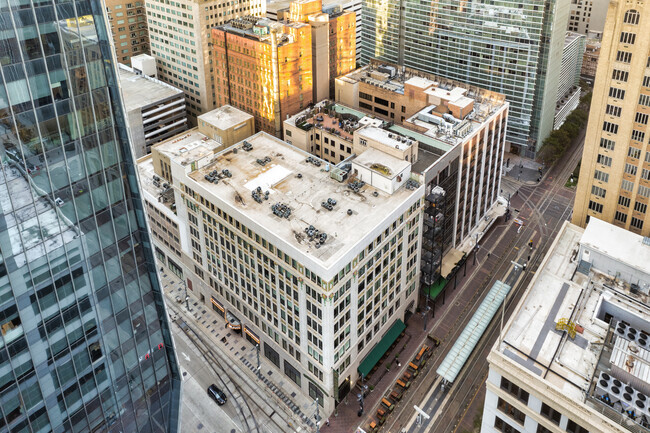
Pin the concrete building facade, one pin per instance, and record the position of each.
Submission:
(573, 356)
(568, 91)
(614, 183)
(587, 16)
(461, 152)
(128, 20)
(510, 47)
(266, 69)
(155, 110)
(316, 288)
(590, 59)
(180, 33)
(277, 10)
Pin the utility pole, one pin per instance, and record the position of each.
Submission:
(258, 360)
(187, 298)
(476, 247)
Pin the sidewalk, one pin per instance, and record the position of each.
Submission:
(521, 169)
(276, 396)
(381, 380)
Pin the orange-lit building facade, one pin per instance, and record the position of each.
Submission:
(265, 69)
(340, 37)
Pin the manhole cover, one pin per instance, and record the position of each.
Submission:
(184, 373)
(199, 426)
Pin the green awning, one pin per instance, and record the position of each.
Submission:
(380, 348)
(435, 289)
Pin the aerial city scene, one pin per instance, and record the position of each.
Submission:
(324, 216)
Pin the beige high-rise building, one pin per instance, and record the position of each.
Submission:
(129, 28)
(180, 34)
(587, 16)
(614, 183)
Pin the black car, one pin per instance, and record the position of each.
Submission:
(217, 395)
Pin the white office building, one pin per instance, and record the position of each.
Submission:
(575, 355)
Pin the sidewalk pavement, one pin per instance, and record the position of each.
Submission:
(382, 380)
(522, 169)
(288, 405)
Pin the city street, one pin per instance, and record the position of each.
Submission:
(542, 209)
(199, 413)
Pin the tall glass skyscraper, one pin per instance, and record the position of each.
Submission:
(84, 342)
(509, 46)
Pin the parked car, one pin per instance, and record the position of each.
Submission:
(217, 395)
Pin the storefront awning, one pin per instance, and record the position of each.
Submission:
(380, 348)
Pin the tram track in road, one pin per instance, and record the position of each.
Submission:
(244, 411)
(538, 200)
(470, 384)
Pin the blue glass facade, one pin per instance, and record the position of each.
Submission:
(512, 47)
(84, 340)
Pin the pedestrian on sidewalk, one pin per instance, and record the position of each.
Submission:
(327, 422)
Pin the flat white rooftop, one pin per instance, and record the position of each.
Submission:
(302, 186)
(140, 91)
(389, 139)
(561, 291)
(188, 147)
(617, 243)
(380, 162)
(225, 117)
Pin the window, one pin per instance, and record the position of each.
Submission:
(503, 426)
(610, 127)
(631, 17)
(636, 223)
(514, 390)
(596, 207)
(640, 207)
(647, 157)
(641, 118)
(542, 429)
(381, 101)
(623, 57)
(627, 38)
(601, 176)
(638, 135)
(630, 169)
(645, 174)
(271, 354)
(551, 413)
(598, 191)
(616, 93)
(644, 191)
(613, 110)
(623, 201)
(633, 152)
(292, 373)
(365, 96)
(619, 75)
(644, 100)
(287, 132)
(646, 81)
(607, 144)
(604, 160)
(626, 185)
(315, 392)
(572, 427)
(620, 216)
(511, 411)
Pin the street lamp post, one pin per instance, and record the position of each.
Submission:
(476, 247)
(258, 360)
(187, 298)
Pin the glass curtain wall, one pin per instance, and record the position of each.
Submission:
(84, 342)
